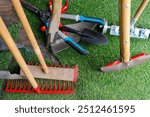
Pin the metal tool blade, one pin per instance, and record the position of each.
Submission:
(60, 45)
(44, 16)
(88, 36)
(122, 65)
(30, 7)
(7, 75)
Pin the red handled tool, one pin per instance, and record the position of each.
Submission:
(126, 61)
(45, 19)
(63, 10)
(44, 16)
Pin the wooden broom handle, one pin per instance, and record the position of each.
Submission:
(57, 5)
(55, 20)
(21, 14)
(124, 13)
(17, 55)
(140, 9)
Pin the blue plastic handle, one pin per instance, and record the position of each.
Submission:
(76, 46)
(47, 24)
(95, 20)
(73, 44)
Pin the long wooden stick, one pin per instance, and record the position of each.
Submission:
(21, 14)
(139, 12)
(54, 23)
(125, 6)
(140, 9)
(17, 55)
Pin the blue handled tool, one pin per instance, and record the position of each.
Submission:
(83, 19)
(60, 44)
(73, 44)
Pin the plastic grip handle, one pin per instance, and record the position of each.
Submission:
(76, 46)
(94, 20)
(71, 30)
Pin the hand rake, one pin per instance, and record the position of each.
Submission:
(135, 32)
(13, 48)
(126, 61)
(49, 87)
(66, 75)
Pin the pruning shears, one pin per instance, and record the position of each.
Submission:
(45, 17)
(63, 9)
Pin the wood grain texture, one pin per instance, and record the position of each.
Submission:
(21, 14)
(17, 55)
(141, 9)
(124, 19)
(54, 23)
(55, 73)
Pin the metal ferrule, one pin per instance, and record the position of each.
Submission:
(105, 27)
(133, 22)
(71, 17)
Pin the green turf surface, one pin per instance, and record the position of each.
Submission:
(133, 83)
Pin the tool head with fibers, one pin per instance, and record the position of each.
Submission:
(49, 87)
(58, 82)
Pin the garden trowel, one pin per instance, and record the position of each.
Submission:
(88, 36)
(56, 42)
(60, 44)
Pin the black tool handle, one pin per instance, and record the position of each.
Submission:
(71, 30)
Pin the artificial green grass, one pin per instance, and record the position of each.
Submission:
(132, 83)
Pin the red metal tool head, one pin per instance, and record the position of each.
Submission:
(45, 86)
(119, 65)
(51, 87)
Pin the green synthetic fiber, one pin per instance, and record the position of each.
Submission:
(132, 83)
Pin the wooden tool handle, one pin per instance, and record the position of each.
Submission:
(125, 6)
(55, 21)
(27, 28)
(57, 5)
(17, 55)
(140, 9)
